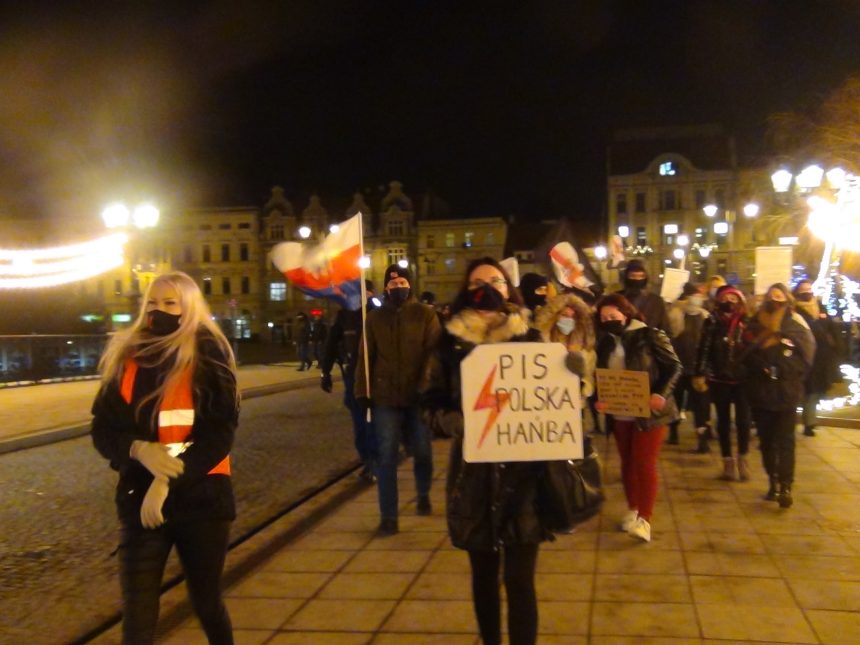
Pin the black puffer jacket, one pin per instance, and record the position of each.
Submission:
(647, 349)
(489, 505)
(195, 494)
(719, 355)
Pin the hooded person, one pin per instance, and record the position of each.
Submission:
(649, 305)
(715, 283)
(400, 335)
(533, 288)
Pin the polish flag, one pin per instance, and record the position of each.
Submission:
(326, 270)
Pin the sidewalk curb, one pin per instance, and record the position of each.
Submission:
(55, 435)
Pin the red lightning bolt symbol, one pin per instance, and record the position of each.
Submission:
(494, 401)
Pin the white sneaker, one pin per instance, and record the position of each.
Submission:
(628, 520)
(641, 529)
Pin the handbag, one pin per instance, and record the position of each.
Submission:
(570, 491)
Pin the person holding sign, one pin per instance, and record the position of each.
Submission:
(625, 343)
(491, 506)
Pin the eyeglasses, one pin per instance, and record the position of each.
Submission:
(493, 282)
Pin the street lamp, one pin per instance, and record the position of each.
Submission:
(624, 232)
(334, 228)
(710, 209)
(364, 262)
(751, 209)
(304, 232)
(683, 240)
(403, 263)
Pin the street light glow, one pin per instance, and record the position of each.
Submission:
(810, 177)
(403, 263)
(145, 215)
(710, 210)
(624, 231)
(334, 228)
(364, 262)
(836, 177)
(704, 251)
(751, 209)
(304, 232)
(600, 252)
(781, 180)
(116, 215)
(721, 228)
(683, 240)
(679, 254)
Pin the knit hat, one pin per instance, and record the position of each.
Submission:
(633, 266)
(529, 283)
(689, 289)
(397, 271)
(723, 291)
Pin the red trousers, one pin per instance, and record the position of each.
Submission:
(638, 451)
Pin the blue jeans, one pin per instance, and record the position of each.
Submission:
(389, 424)
(362, 430)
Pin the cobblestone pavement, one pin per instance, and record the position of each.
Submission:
(59, 525)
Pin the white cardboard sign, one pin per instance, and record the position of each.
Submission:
(520, 403)
(673, 283)
(772, 265)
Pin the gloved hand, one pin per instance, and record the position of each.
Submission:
(363, 403)
(700, 383)
(325, 383)
(575, 362)
(155, 457)
(153, 501)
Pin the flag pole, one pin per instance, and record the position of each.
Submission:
(363, 308)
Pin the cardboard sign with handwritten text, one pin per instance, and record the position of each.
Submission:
(626, 393)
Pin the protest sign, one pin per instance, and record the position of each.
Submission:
(772, 264)
(673, 283)
(520, 403)
(626, 393)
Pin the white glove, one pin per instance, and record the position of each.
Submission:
(156, 458)
(150, 510)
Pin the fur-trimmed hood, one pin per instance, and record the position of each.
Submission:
(470, 326)
(548, 315)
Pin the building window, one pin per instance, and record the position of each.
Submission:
(278, 291)
(431, 241)
(720, 197)
(430, 268)
(467, 239)
(276, 232)
(225, 252)
(670, 231)
(450, 264)
(243, 251)
(205, 227)
(722, 266)
(700, 198)
(449, 240)
(187, 255)
(244, 225)
(117, 287)
(669, 200)
(207, 253)
(246, 284)
(700, 234)
(207, 286)
(621, 203)
(395, 254)
(667, 169)
(641, 236)
(490, 239)
(225, 227)
(225, 286)
(395, 227)
(640, 202)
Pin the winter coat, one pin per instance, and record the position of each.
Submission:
(651, 306)
(686, 322)
(194, 495)
(581, 340)
(828, 348)
(720, 348)
(488, 504)
(777, 363)
(647, 350)
(399, 342)
(342, 341)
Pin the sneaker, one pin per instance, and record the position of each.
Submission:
(423, 507)
(366, 475)
(628, 520)
(641, 529)
(388, 526)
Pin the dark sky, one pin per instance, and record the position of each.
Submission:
(497, 107)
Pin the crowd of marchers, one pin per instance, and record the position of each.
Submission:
(167, 412)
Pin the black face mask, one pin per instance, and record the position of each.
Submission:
(636, 285)
(772, 305)
(806, 297)
(162, 323)
(486, 298)
(615, 327)
(726, 307)
(398, 295)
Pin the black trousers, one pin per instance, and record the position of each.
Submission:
(776, 434)
(724, 395)
(688, 399)
(519, 576)
(202, 549)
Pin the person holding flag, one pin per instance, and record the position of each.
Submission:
(399, 337)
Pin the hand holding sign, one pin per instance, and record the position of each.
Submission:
(626, 393)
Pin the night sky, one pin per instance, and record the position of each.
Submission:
(497, 111)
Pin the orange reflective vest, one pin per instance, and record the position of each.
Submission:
(176, 413)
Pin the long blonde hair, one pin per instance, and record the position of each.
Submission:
(179, 349)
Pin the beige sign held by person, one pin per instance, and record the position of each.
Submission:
(520, 403)
(626, 393)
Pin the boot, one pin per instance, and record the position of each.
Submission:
(743, 468)
(808, 431)
(728, 473)
(673, 434)
(784, 497)
(702, 447)
(771, 495)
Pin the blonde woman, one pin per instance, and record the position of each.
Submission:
(567, 319)
(165, 417)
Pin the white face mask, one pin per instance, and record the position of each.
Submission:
(696, 300)
(565, 325)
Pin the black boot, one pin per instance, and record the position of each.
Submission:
(673, 434)
(808, 431)
(771, 495)
(784, 497)
(702, 447)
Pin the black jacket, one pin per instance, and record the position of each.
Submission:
(828, 348)
(489, 504)
(719, 356)
(194, 494)
(647, 349)
(651, 306)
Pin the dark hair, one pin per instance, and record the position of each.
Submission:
(800, 282)
(619, 302)
(789, 299)
(461, 300)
